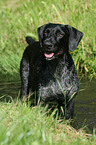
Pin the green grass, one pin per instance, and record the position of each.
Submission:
(20, 124)
(19, 18)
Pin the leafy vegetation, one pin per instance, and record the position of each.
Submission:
(20, 124)
(19, 18)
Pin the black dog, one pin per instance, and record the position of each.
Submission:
(47, 67)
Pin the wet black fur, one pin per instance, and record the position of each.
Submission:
(51, 78)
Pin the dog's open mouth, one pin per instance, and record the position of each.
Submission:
(50, 56)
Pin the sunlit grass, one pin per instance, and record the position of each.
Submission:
(20, 124)
(21, 18)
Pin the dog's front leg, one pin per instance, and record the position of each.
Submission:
(24, 73)
(69, 110)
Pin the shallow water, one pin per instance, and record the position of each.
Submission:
(8, 90)
(85, 106)
(85, 102)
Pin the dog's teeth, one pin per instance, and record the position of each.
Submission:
(48, 55)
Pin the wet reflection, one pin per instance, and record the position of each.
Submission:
(9, 90)
(85, 106)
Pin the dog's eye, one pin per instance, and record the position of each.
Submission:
(59, 34)
(45, 34)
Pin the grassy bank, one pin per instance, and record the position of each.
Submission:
(19, 18)
(20, 124)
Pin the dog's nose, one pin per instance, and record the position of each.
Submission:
(48, 45)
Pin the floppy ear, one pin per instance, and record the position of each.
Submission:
(40, 34)
(75, 37)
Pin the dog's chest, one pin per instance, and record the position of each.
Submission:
(53, 84)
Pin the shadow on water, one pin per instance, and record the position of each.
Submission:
(85, 102)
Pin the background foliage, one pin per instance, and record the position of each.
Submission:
(19, 18)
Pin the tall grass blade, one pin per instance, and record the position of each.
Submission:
(58, 14)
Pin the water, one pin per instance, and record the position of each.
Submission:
(85, 102)
(85, 106)
(8, 90)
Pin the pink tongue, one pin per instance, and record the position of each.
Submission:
(49, 55)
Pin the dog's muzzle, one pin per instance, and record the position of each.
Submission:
(50, 56)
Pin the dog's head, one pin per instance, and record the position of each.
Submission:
(56, 39)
